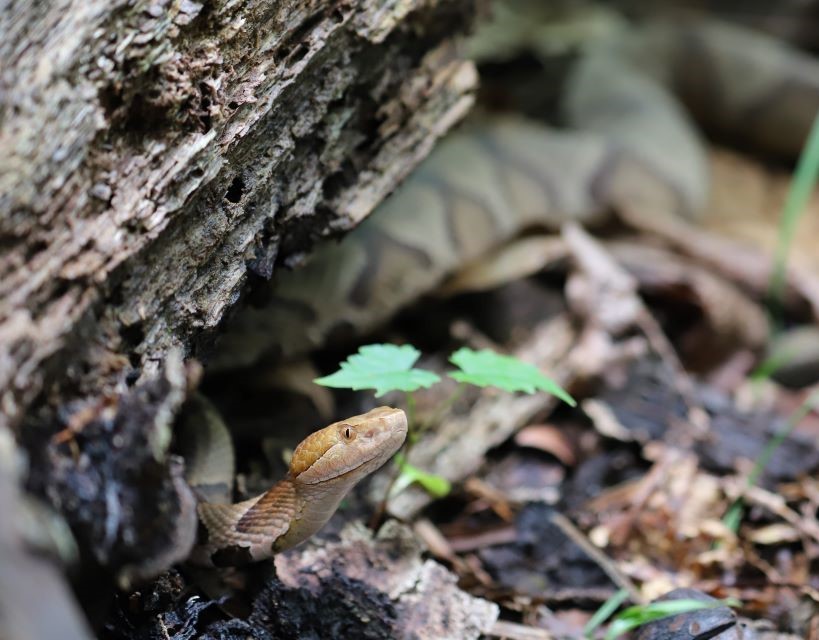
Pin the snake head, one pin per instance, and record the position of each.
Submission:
(351, 448)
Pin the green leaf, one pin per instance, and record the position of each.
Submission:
(435, 485)
(639, 615)
(383, 367)
(486, 368)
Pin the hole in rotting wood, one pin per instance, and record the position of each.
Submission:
(35, 246)
(295, 47)
(336, 183)
(132, 334)
(235, 190)
(297, 55)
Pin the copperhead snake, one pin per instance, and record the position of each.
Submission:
(323, 469)
(631, 144)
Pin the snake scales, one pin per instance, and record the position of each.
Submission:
(323, 469)
(631, 143)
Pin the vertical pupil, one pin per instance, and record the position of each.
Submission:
(346, 433)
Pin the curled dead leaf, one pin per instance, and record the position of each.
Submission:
(547, 438)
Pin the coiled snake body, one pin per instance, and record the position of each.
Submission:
(632, 144)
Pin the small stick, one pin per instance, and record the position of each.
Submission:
(617, 576)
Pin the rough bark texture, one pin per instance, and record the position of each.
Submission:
(360, 586)
(157, 153)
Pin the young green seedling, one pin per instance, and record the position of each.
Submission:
(389, 367)
(383, 368)
(486, 368)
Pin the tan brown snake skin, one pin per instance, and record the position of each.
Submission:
(324, 467)
(633, 146)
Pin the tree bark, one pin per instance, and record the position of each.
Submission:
(158, 154)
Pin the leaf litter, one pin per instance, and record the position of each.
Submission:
(657, 329)
(551, 511)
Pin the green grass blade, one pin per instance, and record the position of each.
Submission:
(639, 615)
(605, 612)
(804, 179)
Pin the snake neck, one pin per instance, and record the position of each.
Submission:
(315, 505)
(247, 531)
(325, 466)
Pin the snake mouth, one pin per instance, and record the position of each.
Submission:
(340, 476)
(378, 455)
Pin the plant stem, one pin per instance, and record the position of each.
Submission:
(411, 426)
(445, 406)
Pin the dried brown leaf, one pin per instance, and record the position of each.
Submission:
(547, 438)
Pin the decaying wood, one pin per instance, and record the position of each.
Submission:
(156, 156)
(28, 580)
(158, 153)
(425, 595)
(372, 587)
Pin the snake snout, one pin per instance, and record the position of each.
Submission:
(393, 419)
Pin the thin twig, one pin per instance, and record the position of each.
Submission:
(608, 567)
(682, 381)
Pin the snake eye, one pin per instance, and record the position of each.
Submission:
(347, 432)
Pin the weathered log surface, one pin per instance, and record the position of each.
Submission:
(359, 585)
(154, 154)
